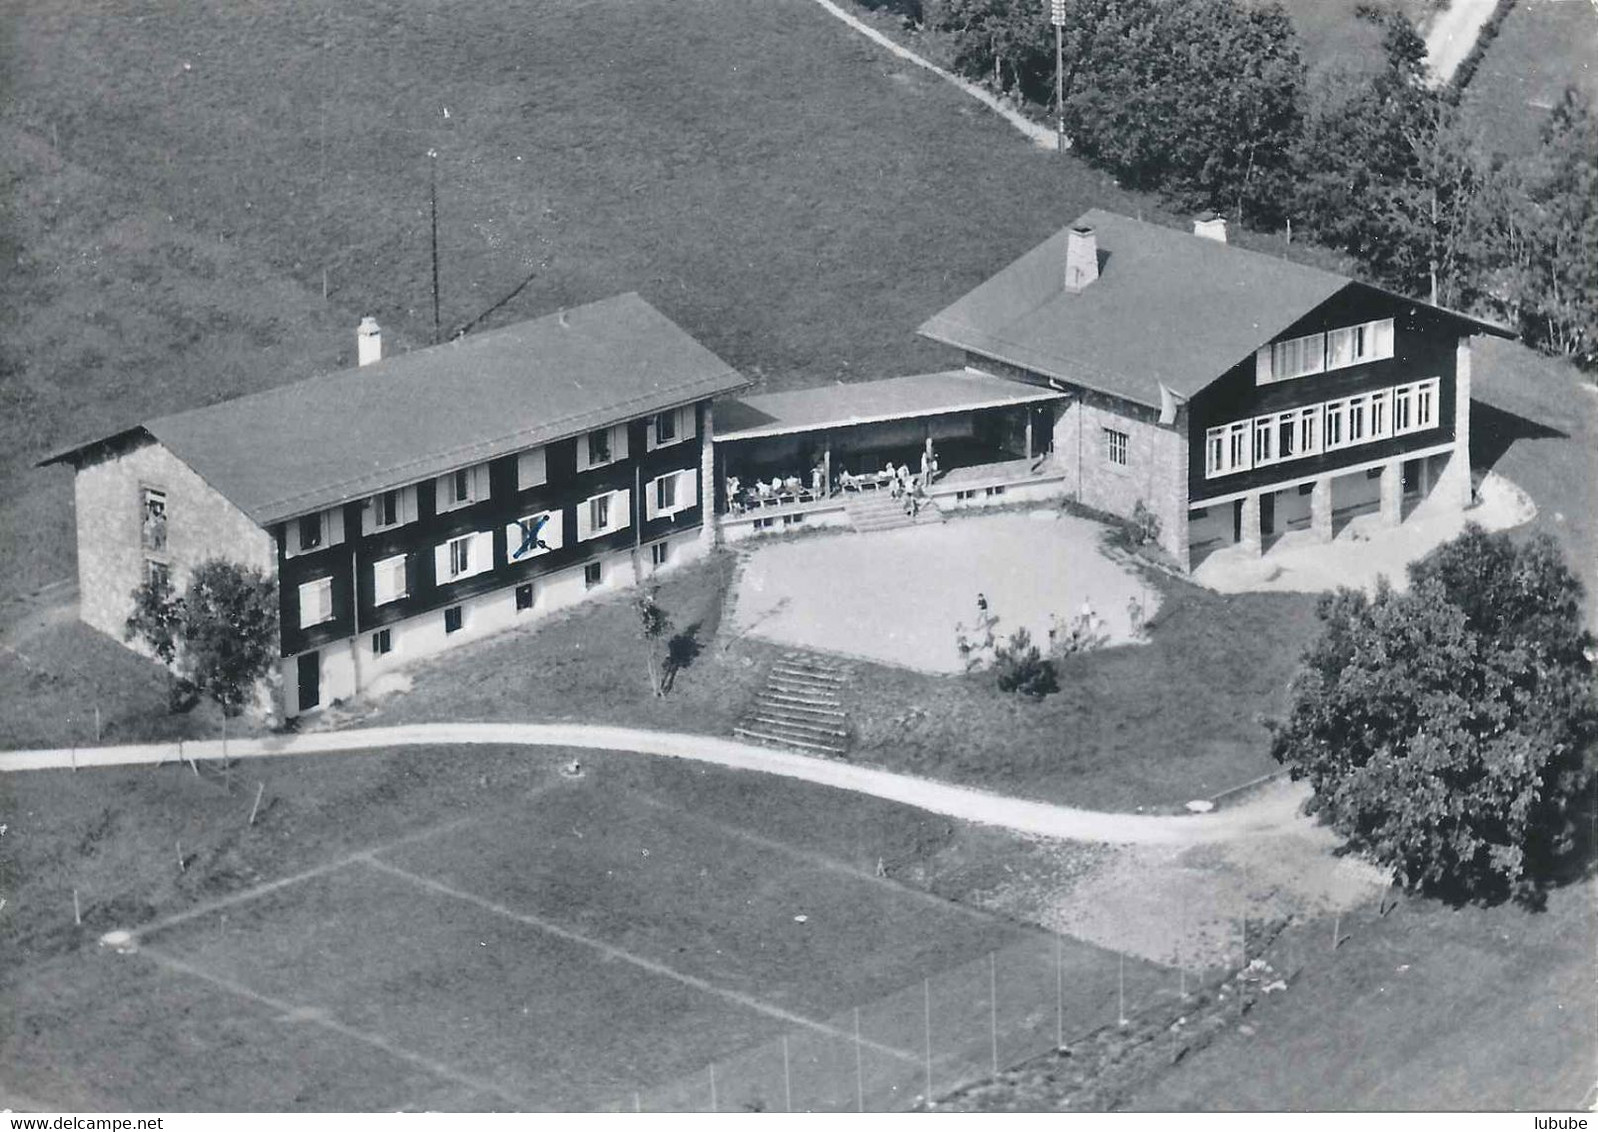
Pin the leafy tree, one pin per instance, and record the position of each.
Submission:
(1447, 731)
(653, 627)
(1020, 667)
(218, 639)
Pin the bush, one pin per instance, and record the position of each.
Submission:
(1020, 667)
(1448, 732)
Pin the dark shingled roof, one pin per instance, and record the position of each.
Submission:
(321, 442)
(864, 402)
(1168, 308)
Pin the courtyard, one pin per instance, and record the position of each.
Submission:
(899, 596)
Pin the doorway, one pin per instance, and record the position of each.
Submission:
(310, 680)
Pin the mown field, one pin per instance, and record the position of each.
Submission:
(1542, 47)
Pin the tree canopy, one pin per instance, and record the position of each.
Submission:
(1447, 731)
(219, 637)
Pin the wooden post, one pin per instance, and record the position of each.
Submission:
(259, 789)
(77, 912)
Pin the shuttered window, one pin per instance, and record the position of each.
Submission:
(316, 602)
(389, 580)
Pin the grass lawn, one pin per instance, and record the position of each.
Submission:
(1542, 47)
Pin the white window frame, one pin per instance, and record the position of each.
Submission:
(553, 535)
(1309, 431)
(685, 493)
(1334, 427)
(389, 580)
(1381, 417)
(404, 510)
(446, 496)
(615, 440)
(1239, 446)
(1116, 445)
(618, 517)
(316, 602)
(330, 528)
(473, 550)
(1427, 394)
(1215, 451)
(684, 427)
(1358, 420)
(532, 468)
(154, 526)
(1286, 436)
(1263, 436)
(1403, 410)
(1296, 357)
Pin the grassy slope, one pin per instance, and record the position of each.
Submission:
(1541, 48)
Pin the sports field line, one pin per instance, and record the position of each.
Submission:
(301, 1013)
(819, 860)
(334, 866)
(611, 951)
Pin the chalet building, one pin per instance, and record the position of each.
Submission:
(1231, 395)
(420, 500)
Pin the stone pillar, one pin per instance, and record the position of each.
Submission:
(1320, 509)
(1393, 492)
(1028, 412)
(1252, 540)
(709, 520)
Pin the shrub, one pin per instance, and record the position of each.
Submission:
(1021, 668)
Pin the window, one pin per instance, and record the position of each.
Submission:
(386, 510)
(1354, 345)
(159, 574)
(382, 643)
(1214, 451)
(389, 509)
(1237, 452)
(1306, 489)
(669, 427)
(1297, 357)
(1373, 473)
(532, 469)
(1286, 436)
(310, 532)
(599, 447)
(453, 621)
(1264, 435)
(1309, 432)
(671, 493)
(993, 491)
(462, 487)
(460, 556)
(665, 428)
(388, 580)
(524, 596)
(1199, 513)
(1426, 404)
(316, 602)
(1335, 430)
(1403, 409)
(658, 553)
(533, 535)
(1356, 420)
(1115, 446)
(603, 514)
(665, 494)
(593, 574)
(1380, 423)
(152, 519)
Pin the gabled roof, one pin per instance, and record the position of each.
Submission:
(865, 402)
(1168, 308)
(317, 443)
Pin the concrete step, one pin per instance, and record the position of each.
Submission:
(793, 671)
(767, 703)
(765, 736)
(802, 687)
(790, 697)
(798, 726)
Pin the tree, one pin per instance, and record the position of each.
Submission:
(1447, 731)
(218, 639)
(653, 626)
(1020, 667)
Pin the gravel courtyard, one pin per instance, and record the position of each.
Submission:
(897, 596)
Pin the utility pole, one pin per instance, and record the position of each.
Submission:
(1057, 18)
(432, 193)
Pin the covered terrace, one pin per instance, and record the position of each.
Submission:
(815, 446)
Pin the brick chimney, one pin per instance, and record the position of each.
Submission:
(368, 341)
(1081, 258)
(1210, 227)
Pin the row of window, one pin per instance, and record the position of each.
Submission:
(1327, 350)
(1313, 429)
(465, 486)
(524, 595)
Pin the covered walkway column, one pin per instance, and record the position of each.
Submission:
(1249, 536)
(1320, 509)
(709, 521)
(1393, 492)
(826, 465)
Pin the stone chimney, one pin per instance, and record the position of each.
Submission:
(1081, 258)
(368, 341)
(1211, 227)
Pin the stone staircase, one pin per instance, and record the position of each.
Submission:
(880, 511)
(801, 706)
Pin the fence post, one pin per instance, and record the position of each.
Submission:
(993, 1006)
(787, 1075)
(859, 1067)
(1059, 995)
(926, 987)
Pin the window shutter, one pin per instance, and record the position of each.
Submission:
(482, 552)
(584, 527)
(687, 487)
(620, 515)
(369, 515)
(687, 422)
(334, 525)
(407, 504)
(554, 535)
(531, 469)
(481, 489)
(324, 599)
(1262, 366)
(618, 442)
(1384, 338)
(1340, 347)
(652, 498)
(441, 563)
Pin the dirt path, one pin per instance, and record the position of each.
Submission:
(1272, 814)
(1452, 34)
(1040, 135)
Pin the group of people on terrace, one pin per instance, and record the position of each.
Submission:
(898, 479)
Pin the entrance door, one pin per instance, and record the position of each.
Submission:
(1267, 514)
(1237, 520)
(310, 680)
